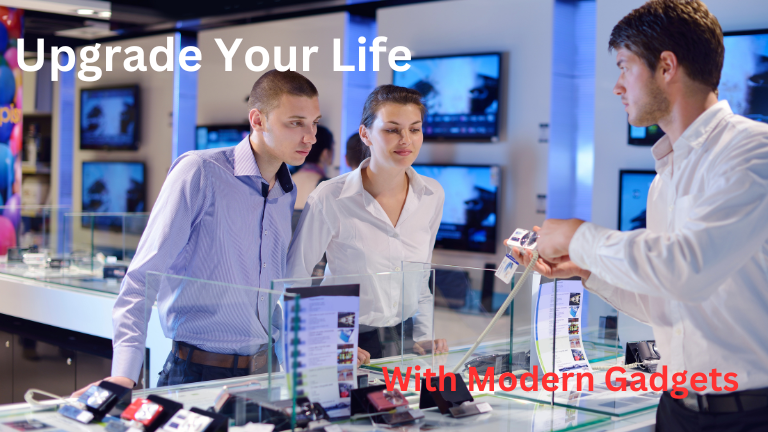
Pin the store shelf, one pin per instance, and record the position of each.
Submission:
(35, 169)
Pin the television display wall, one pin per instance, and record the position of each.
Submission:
(113, 187)
(633, 198)
(461, 94)
(210, 137)
(109, 118)
(470, 212)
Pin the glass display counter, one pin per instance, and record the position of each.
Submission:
(68, 249)
(429, 308)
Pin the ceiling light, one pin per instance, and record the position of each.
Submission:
(85, 11)
(105, 14)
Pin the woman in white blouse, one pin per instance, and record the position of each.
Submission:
(376, 217)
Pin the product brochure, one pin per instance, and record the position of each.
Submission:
(326, 348)
(564, 317)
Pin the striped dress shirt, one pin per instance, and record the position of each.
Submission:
(211, 221)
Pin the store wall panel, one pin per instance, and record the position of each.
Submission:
(155, 128)
(155, 117)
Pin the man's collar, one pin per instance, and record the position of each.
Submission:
(245, 165)
(696, 133)
(353, 184)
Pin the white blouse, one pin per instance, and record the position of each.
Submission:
(344, 221)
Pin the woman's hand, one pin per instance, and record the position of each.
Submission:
(363, 357)
(439, 346)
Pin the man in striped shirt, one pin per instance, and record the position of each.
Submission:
(223, 215)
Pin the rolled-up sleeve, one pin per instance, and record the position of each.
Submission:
(179, 207)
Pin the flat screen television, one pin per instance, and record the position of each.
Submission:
(633, 198)
(743, 82)
(645, 135)
(461, 93)
(112, 187)
(109, 118)
(210, 137)
(470, 212)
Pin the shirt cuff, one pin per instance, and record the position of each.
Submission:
(598, 286)
(126, 362)
(585, 244)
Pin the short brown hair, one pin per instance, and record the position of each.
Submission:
(389, 93)
(270, 88)
(684, 27)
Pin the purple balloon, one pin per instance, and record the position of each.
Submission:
(12, 210)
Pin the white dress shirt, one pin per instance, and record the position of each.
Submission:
(699, 273)
(344, 221)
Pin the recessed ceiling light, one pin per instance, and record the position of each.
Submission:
(105, 14)
(85, 11)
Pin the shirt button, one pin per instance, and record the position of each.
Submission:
(394, 304)
(678, 332)
(265, 265)
(266, 232)
(262, 297)
(397, 268)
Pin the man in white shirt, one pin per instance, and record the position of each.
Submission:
(699, 273)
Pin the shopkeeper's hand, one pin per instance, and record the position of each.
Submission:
(439, 346)
(363, 357)
(121, 381)
(561, 270)
(555, 237)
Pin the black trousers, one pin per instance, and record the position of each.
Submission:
(178, 371)
(673, 416)
(386, 341)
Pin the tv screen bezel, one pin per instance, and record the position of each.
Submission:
(621, 187)
(498, 206)
(645, 141)
(109, 227)
(474, 138)
(136, 129)
(223, 126)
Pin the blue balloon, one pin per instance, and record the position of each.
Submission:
(6, 167)
(3, 39)
(7, 85)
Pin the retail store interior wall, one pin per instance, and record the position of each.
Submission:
(612, 152)
(522, 30)
(155, 123)
(222, 95)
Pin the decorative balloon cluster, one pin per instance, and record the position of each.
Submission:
(11, 133)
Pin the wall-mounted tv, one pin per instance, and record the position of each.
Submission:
(470, 212)
(461, 93)
(633, 198)
(109, 118)
(645, 135)
(743, 83)
(113, 187)
(209, 137)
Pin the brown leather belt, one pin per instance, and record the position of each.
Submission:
(205, 358)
